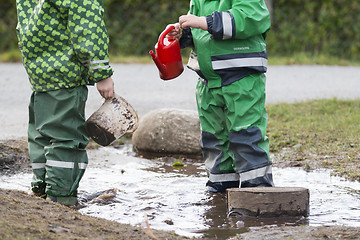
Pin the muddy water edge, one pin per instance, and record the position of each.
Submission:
(14, 160)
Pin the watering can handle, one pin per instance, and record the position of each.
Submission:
(163, 35)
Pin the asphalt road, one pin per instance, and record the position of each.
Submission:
(145, 91)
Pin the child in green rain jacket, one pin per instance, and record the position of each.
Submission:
(229, 55)
(64, 45)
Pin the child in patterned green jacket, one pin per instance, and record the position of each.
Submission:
(64, 45)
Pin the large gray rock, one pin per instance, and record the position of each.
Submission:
(165, 132)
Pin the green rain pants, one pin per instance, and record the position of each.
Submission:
(233, 120)
(57, 141)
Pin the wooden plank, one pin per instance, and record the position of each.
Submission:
(268, 201)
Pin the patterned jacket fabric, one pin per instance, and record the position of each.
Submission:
(64, 43)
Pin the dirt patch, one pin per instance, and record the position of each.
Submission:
(14, 156)
(28, 217)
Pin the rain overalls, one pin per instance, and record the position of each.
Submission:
(64, 45)
(231, 60)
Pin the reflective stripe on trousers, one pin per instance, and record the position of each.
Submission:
(53, 163)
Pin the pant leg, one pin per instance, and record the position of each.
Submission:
(245, 100)
(214, 140)
(36, 143)
(60, 117)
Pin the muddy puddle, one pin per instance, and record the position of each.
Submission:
(122, 187)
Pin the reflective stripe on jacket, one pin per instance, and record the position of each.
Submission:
(64, 43)
(234, 45)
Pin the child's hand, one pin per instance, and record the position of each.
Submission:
(106, 87)
(193, 21)
(175, 33)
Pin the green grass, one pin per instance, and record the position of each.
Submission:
(320, 133)
(307, 59)
(11, 56)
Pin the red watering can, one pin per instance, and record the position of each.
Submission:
(168, 57)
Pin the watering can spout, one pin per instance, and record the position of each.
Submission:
(160, 66)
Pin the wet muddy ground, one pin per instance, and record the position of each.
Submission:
(121, 187)
(27, 217)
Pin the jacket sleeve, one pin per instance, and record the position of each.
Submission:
(89, 37)
(245, 19)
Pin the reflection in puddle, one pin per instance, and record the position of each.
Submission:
(121, 187)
